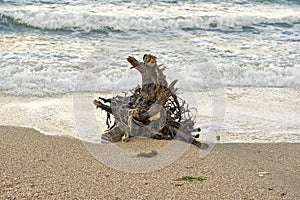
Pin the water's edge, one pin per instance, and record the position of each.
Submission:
(255, 115)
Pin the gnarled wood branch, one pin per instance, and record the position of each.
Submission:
(146, 104)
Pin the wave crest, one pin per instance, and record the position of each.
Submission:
(57, 20)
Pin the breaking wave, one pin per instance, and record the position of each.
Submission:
(97, 22)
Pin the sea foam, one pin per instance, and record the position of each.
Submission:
(97, 17)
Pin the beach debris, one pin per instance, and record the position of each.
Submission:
(191, 178)
(152, 110)
(262, 174)
(148, 154)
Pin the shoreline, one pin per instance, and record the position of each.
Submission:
(257, 115)
(34, 165)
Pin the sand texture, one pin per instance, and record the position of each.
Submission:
(36, 166)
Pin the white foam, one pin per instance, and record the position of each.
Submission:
(251, 115)
(125, 18)
(48, 63)
(31, 71)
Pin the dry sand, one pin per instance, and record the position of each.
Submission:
(36, 166)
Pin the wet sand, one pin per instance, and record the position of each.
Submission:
(36, 166)
(252, 115)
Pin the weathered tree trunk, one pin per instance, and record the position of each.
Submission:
(153, 110)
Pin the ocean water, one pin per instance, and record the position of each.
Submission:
(54, 48)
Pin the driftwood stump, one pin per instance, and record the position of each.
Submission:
(152, 110)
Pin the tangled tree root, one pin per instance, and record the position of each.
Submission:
(152, 110)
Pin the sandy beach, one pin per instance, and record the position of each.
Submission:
(236, 65)
(37, 166)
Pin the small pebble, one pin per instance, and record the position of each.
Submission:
(262, 174)
(51, 193)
